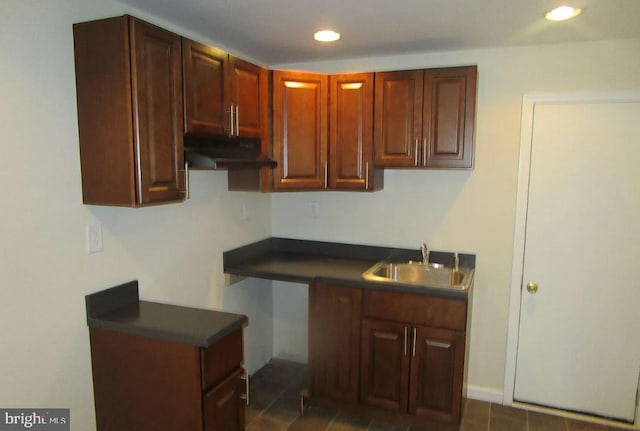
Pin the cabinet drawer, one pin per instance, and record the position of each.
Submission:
(224, 405)
(221, 358)
(414, 308)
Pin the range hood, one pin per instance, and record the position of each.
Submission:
(225, 153)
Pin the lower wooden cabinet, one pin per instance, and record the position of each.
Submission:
(413, 369)
(383, 351)
(149, 384)
(385, 365)
(437, 364)
(223, 409)
(335, 349)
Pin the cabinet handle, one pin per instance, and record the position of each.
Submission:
(186, 180)
(366, 177)
(415, 156)
(326, 175)
(230, 111)
(245, 396)
(237, 120)
(424, 151)
(413, 347)
(404, 344)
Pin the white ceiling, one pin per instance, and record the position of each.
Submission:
(280, 31)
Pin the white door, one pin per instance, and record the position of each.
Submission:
(579, 335)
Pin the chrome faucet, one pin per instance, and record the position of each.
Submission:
(425, 253)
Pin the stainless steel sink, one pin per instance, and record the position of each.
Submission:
(420, 274)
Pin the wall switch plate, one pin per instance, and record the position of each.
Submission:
(94, 238)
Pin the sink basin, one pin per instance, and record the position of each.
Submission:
(420, 274)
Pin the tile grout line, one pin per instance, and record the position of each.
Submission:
(268, 406)
(489, 418)
(330, 422)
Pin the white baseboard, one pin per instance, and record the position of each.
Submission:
(482, 393)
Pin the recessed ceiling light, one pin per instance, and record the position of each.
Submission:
(326, 36)
(563, 13)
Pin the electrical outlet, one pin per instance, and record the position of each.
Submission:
(315, 209)
(244, 212)
(94, 238)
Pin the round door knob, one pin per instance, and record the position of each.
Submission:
(532, 287)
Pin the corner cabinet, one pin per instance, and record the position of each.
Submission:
(425, 118)
(351, 133)
(129, 95)
(223, 95)
(322, 132)
(394, 355)
(300, 131)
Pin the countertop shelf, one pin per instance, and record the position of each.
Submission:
(306, 261)
(120, 309)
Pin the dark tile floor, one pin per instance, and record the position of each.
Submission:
(275, 406)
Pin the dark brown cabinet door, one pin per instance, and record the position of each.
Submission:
(351, 131)
(335, 341)
(205, 108)
(128, 81)
(144, 384)
(223, 95)
(425, 118)
(398, 118)
(157, 94)
(300, 130)
(248, 95)
(384, 375)
(224, 405)
(448, 117)
(437, 366)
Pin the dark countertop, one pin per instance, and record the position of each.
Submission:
(305, 261)
(119, 309)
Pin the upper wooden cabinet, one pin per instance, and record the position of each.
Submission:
(128, 81)
(248, 94)
(425, 118)
(223, 95)
(322, 132)
(206, 111)
(300, 131)
(351, 133)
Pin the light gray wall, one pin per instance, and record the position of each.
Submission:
(175, 251)
(468, 210)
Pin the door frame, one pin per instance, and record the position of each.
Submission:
(529, 103)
